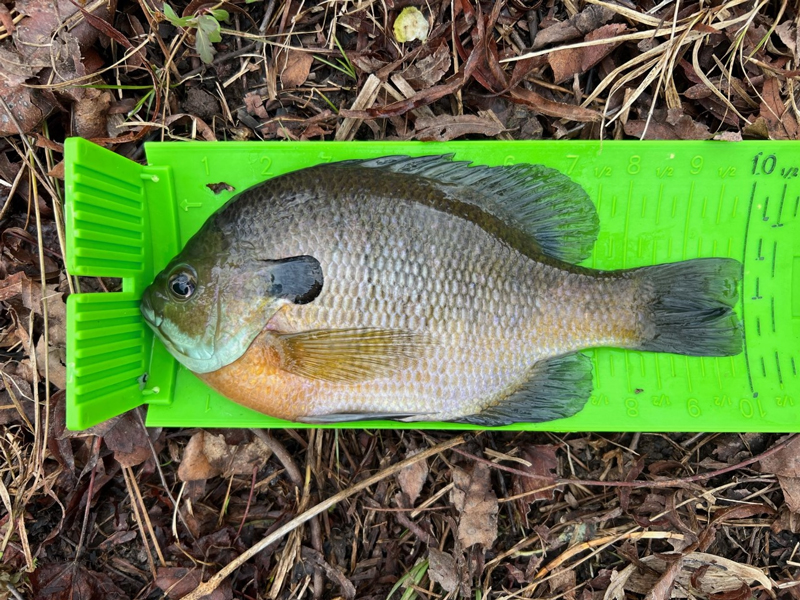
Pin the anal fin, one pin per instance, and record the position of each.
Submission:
(557, 388)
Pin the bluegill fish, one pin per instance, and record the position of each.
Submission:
(421, 289)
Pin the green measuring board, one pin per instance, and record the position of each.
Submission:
(658, 202)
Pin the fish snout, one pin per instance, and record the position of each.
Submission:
(146, 306)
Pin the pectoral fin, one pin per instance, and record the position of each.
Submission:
(349, 355)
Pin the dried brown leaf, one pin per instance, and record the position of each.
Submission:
(571, 61)
(790, 486)
(781, 123)
(429, 70)
(195, 465)
(563, 582)
(592, 55)
(719, 575)
(787, 32)
(616, 588)
(294, 67)
(662, 590)
(176, 582)
(27, 111)
(676, 126)
(70, 580)
(128, 440)
(412, 478)
(589, 19)
(255, 105)
(758, 129)
(543, 463)
(90, 113)
(442, 569)
(448, 127)
(565, 63)
(477, 505)
(785, 462)
(202, 126)
(543, 106)
(207, 455)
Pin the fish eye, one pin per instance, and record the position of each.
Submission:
(182, 284)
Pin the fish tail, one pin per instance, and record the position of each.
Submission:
(689, 307)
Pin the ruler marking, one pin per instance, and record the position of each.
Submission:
(780, 206)
(686, 223)
(688, 375)
(658, 371)
(796, 205)
(628, 370)
(719, 375)
(774, 255)
(758, 326)
(760, 247)
(721, 201)
(627, 226)
(764, 216)
(778, 364)
(661, 197)
(794, 367)
(599, 196)
(744, 258)
(763, 367)
(758, 285)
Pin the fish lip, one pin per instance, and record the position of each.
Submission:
(146, 307)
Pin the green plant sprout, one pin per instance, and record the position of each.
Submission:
(208, 29)
(343, 65)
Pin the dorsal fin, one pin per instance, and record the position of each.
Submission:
(537, 200)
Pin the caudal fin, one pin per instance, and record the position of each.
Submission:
(691, 307)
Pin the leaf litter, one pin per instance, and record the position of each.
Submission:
(119, 511)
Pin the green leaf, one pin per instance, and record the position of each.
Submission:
(173, 18)
(203, 46)
(210, 26)
(220, 14)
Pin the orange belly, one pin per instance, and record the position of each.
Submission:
(256, 381)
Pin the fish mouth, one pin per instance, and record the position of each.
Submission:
(146, 307)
